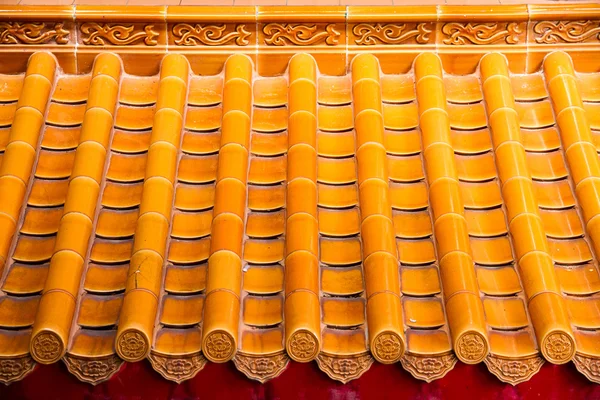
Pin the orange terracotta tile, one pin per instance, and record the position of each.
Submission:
(306, 206)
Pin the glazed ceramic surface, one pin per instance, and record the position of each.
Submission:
(268, 185)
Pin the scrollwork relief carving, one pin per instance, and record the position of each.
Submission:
(369, 34)
(462, 33)
(32, 33)
(210, 35)
(551, 32)
(300, 34)
(117, 35)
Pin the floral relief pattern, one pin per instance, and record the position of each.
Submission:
(46, 347)
(209, 35)
(132, 345)
(387, 348)
(93, 371)
(300, 34)
(551, 32)
(177, 369)
(14, 369)
(369, 34)
(32, 33)
(588, 366)
(344, 369)
(459, 33)
(302, 346)
(513, 371)
(261, 368)
(428, 368)
(219, 346)
(471, 347)
(118, 35)
(558, 347)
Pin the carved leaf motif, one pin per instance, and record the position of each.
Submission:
(261, 368)
(177, 369)
(390, 33)
(344, 369)
(32, 33)
(93, 371)
(209, 35)
(118, 35)
(513, 371)
(550, 32)
(588, 366)
(15, 369)
(460, 33)
(299, 34)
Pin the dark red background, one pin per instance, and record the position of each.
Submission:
(301, 381)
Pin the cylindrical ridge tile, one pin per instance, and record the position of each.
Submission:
(222, 307)
(76, 225)
(140, 304)
(384, 310)
(525, 225)
(221, 313)
(302, 331)
(457, 269)
(465, 314)
(576, 138)
(548, 315)
(19, 155)
(302, 309)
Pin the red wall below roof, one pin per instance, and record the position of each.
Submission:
(301, 381)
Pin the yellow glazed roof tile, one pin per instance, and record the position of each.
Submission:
(308, 200)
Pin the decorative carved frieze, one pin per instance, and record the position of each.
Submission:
(300, 34)
(552, 32)
(210, 35)
(463, 33)
(97, 34)
(372, 34)
(33, 33)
